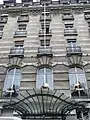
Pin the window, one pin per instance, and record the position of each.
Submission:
(44, 75)
(23, 18)
(47, 43)
(47, 30)
(77, 80)
(72, 42)
(19, 44)
(69, 25)
(12, 82)
(22, 26)
(1, 27)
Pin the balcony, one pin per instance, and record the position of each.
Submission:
(45, 51)
(47, 24)
(47, 18)
(23, 19)
(67, 17)
(47, 35)
(20, 33)
(27, 2)
(64, 1)
(70, 32)
(16, 52)
(76, 50)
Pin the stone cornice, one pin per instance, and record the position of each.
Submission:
(52, 8)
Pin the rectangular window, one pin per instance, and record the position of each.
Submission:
(1, 27)
(69, 25)
(72, 42)
(23, 18)
(22, 26)
(47, 43)
(19, 44)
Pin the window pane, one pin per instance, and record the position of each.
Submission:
(77, 75)
(12, 81)
(44, 76)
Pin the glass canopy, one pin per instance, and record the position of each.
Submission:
(43, 103)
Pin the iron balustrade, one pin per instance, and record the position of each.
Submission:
(23, 19)
(47, 24)
(74, 50)
(67, 17)
(44, 50)
(48, 18)
(41, 33)
(70, 31)
(20, 33)
(18, 52)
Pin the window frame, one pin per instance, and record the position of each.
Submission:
(12, 80)
(76, 75)
(37, 78)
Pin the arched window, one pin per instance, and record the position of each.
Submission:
(44, 75)
(12, 82)
(76, 75)
(77, 79)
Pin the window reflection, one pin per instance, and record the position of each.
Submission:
(12, 82)
(44, 76)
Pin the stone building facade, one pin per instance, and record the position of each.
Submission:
(45, 59)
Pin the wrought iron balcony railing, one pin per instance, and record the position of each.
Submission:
(16, 52)
(44, 50)
(67, 17)
(47, 18)
(47, 24)
(41, 33)
(76, 50)
(23, 19)
(47, 35)
(20, 33)
(70, 31)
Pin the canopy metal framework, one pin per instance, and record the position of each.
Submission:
(43, 103)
